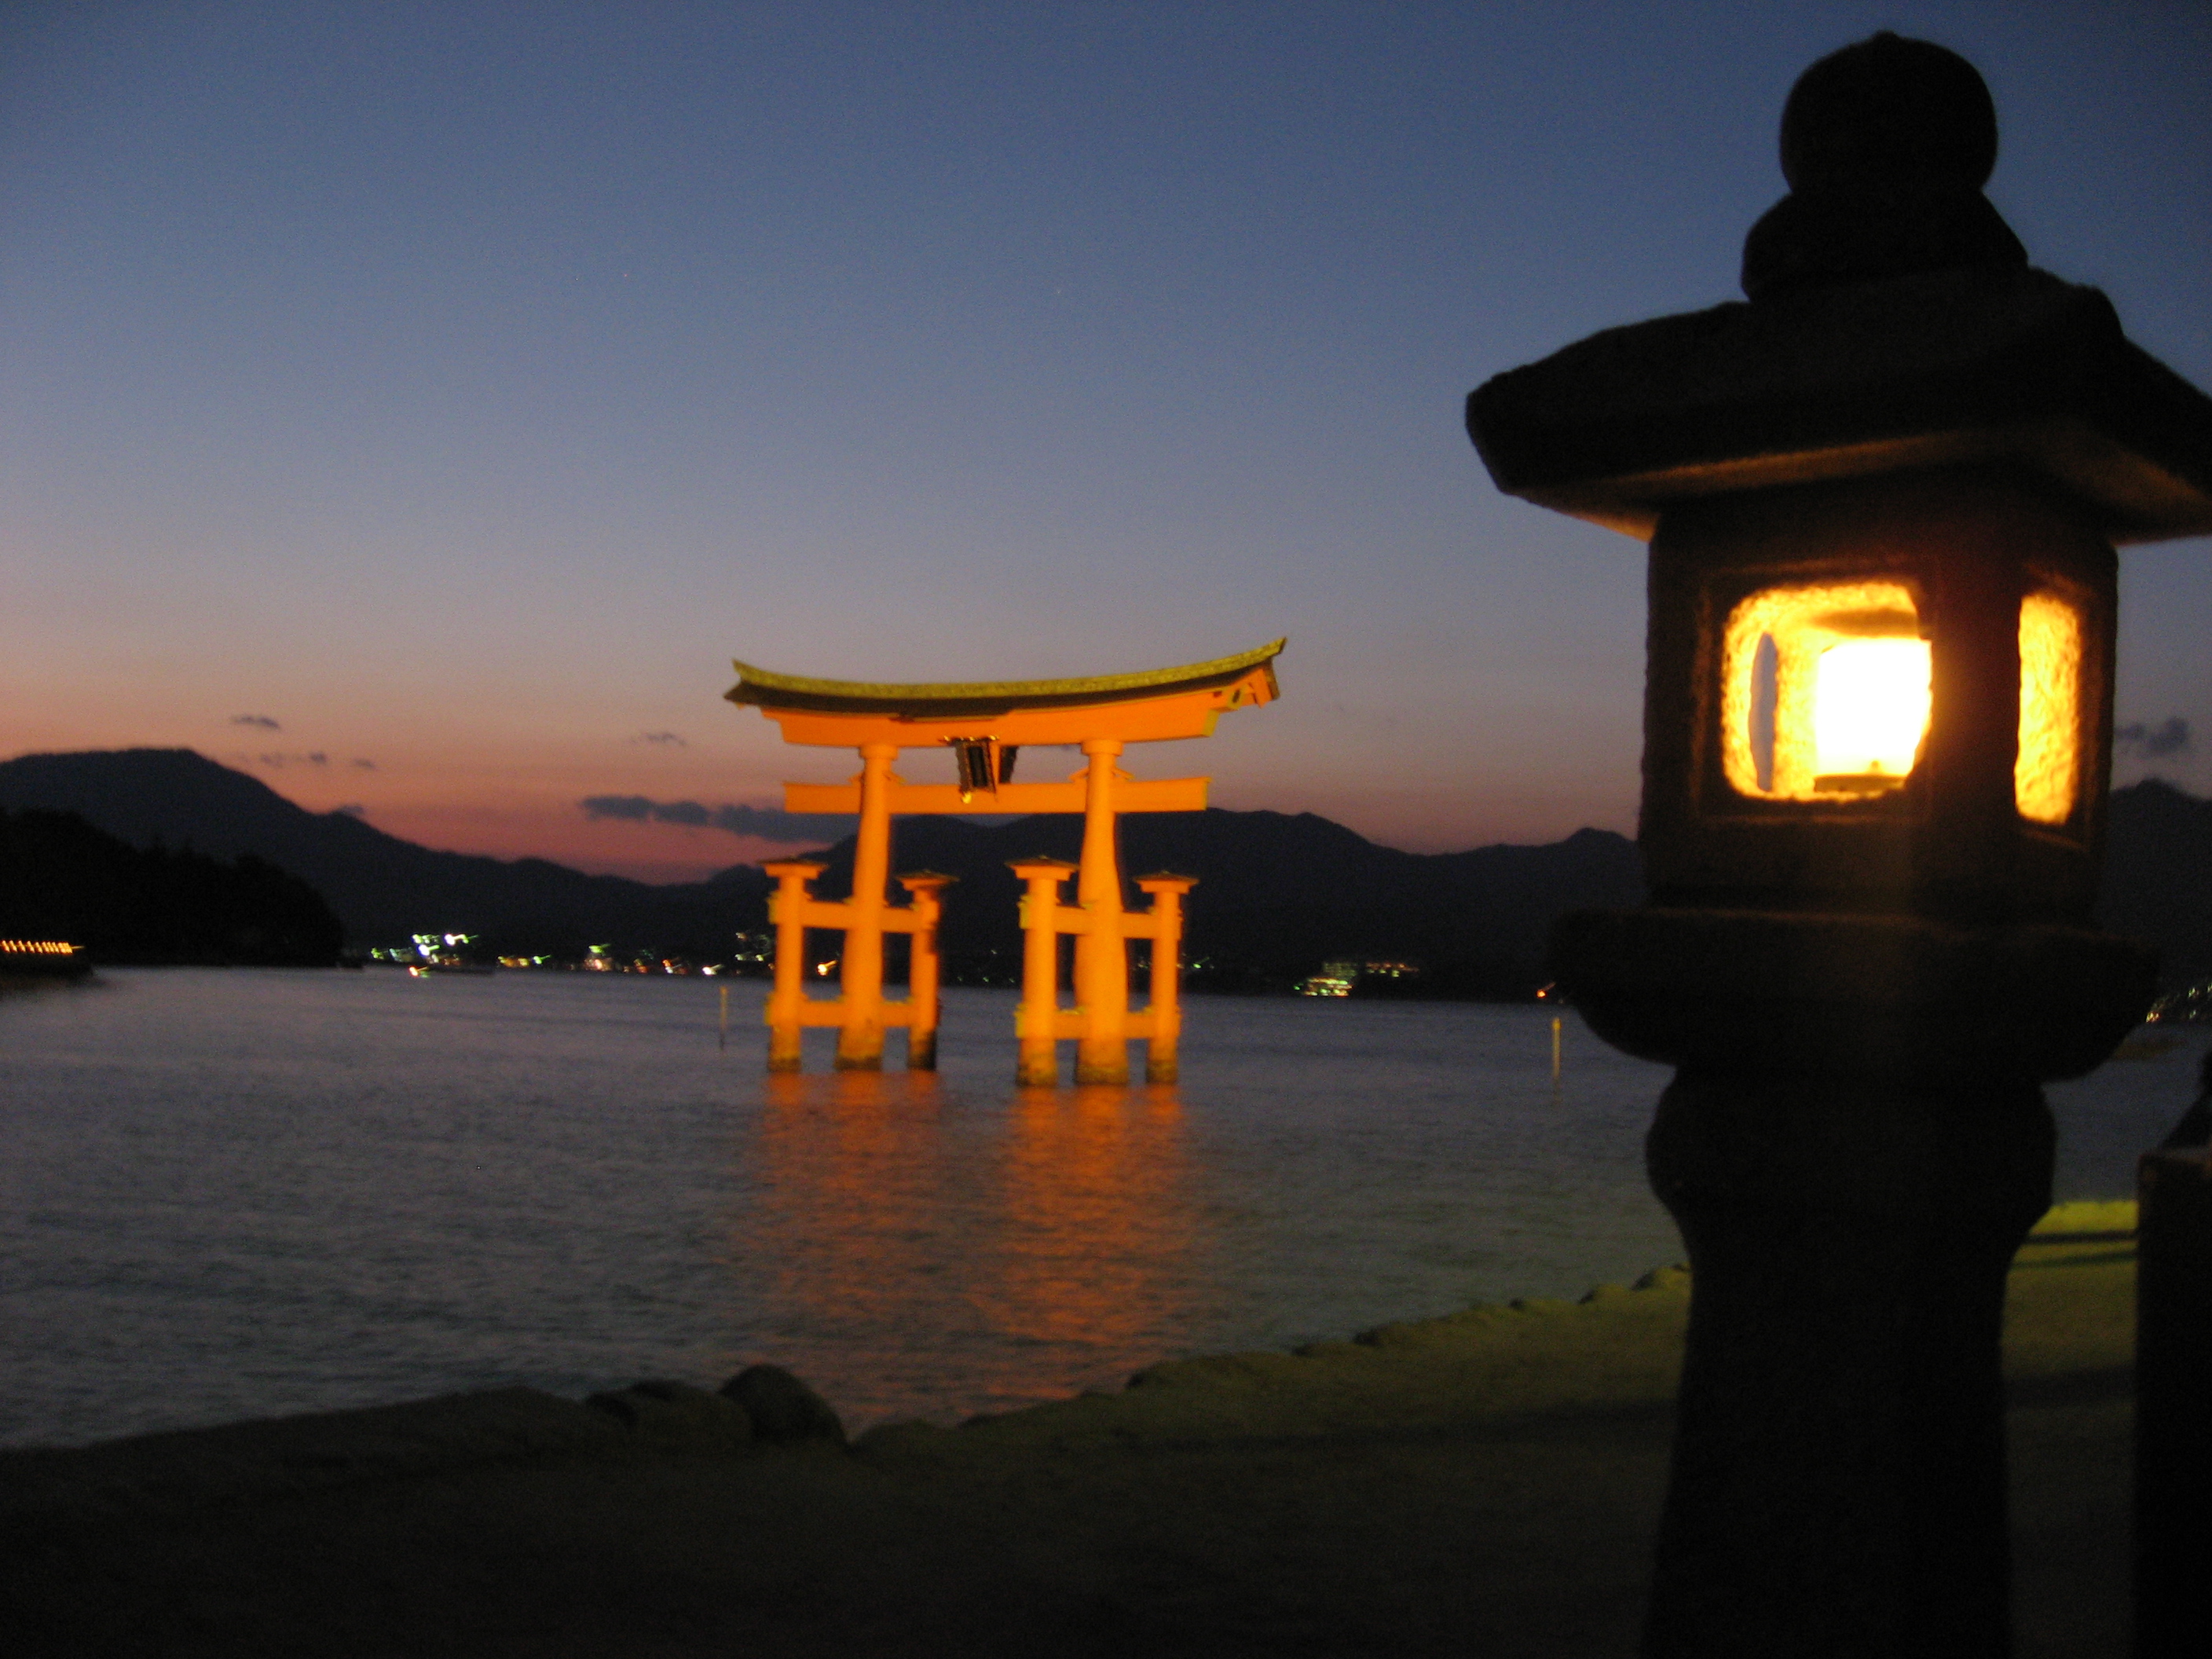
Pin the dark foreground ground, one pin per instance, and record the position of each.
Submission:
(1485, 1483)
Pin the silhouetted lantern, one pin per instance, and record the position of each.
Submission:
(1882, 500)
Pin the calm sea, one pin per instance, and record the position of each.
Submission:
(229, 1194)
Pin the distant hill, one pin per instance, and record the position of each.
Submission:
(1278, 894)
(384, 889)
(60, 878)
(2158, 877)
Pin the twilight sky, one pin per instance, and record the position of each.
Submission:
(418, 405)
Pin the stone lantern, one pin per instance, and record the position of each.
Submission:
(1882, 500)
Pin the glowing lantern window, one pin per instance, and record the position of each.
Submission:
(2045, 777)
(1825, 691)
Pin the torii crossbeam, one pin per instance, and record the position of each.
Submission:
(985, 725)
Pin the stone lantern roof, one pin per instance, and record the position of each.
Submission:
(1893, 322)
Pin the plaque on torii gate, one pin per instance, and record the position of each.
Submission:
(985, 725)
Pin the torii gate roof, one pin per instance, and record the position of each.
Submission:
(1155, 704)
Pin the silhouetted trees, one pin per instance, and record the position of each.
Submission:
(61, 878)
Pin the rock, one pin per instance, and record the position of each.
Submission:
(781, 1407)
(676, 1411)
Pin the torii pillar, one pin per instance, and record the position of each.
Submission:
(1102, 952)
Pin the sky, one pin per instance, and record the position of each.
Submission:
(419, 405)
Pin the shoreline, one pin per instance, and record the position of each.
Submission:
(1487, 1477)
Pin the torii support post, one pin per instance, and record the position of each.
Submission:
(1161, 1065)
(860, 969)
(786, 913)
(926, 890)
(1037, 1019)
(1101, 950)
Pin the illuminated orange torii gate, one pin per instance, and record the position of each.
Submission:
(985, 725)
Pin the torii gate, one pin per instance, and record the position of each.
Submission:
(985, 725)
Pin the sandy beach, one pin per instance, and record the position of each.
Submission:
(1483, 1482)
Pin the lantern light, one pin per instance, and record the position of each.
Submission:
(2046, 770)
(1825, 691)
(1869, 712)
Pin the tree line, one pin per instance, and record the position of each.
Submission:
(61, 878)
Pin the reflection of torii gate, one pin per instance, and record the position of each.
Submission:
(985, 725)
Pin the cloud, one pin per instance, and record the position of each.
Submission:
(275, 762)
(262, 721)
(365, 765)
(352, 809)
(761, 823)
(668, 739)
(2169, 737)
(319, 758)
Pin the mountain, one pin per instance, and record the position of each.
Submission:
(60, 878)
(384, 889)
(2158, 877)
(1278, 894)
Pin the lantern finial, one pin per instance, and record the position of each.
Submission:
(1886, 145)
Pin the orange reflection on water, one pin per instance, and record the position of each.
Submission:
(1097, 1247)
(916, 1254)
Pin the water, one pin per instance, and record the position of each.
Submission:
(230, 1193)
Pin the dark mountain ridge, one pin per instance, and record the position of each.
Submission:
(384, 889)
(2158, 877)
(1278, 893)
(61, 878)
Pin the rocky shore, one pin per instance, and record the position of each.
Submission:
(1483, 1482)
